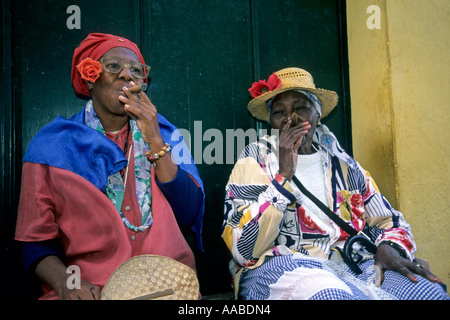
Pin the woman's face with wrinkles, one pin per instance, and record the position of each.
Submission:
(106, 90)
(288, 102)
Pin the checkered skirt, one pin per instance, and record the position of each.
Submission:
(265, 281)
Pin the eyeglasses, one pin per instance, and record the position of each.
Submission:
(138, 70)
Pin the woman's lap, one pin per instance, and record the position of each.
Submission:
(286, 277)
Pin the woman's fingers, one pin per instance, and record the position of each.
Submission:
(294, 136)
(387, 258)
(422, 271)
(87, 291)
(138, 106)
(144, 98)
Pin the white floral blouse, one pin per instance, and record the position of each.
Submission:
(264, 212)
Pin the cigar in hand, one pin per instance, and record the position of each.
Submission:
(136, 89)
(294, 120)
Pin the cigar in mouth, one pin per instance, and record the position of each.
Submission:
(135, 89)
(294, 119)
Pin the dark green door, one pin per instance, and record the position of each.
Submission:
(204, 56)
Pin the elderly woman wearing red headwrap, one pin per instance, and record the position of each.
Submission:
(103, 186)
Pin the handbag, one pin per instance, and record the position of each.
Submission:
(360, 238)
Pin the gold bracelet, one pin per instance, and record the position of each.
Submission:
(153, 157)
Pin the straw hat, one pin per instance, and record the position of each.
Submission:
(285, 80)
(148, 277)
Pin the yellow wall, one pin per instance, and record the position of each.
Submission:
(400, 99)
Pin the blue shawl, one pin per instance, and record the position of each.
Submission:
(71, 145)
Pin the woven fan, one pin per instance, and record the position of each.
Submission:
(149, 277)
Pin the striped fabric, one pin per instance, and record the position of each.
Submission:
(266, 282)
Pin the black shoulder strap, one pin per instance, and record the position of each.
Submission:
(335, 218)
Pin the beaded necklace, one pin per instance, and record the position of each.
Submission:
(125, 149)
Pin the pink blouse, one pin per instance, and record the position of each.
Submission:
(58, 204)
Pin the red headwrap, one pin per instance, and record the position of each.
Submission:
(95, 46)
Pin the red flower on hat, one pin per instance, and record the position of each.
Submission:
(260, 87)
(89, 69)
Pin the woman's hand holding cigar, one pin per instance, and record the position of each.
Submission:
(294, 119)
(292, 134)
(142, 110)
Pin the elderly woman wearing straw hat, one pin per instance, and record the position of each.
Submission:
(303, 220)
(102, 187)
